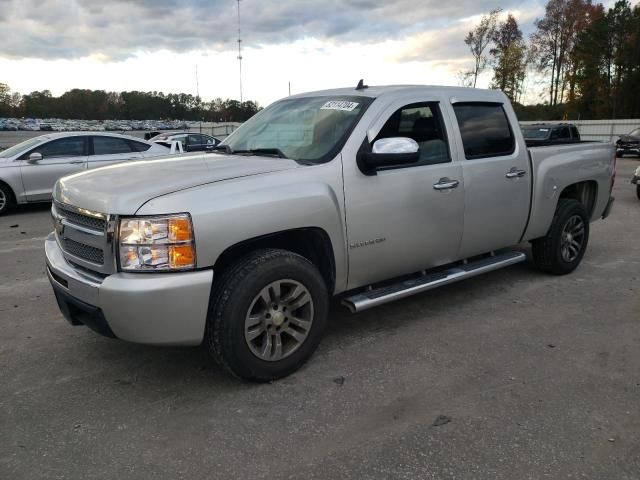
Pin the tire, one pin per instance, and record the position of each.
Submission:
(638, 191)
(240, 296)
(556, 252)
(6, 199)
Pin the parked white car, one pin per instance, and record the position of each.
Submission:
(29, 170)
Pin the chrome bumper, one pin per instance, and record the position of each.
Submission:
(157, 309)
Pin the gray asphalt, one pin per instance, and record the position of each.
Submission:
(538, 377)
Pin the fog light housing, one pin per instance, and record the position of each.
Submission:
(163, 243)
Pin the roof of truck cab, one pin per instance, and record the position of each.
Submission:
(378, 91)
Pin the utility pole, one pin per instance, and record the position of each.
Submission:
(239, 51)
(198, 97)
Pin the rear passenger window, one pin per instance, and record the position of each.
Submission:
(110, 146)
(421, 122)
(138, 146)
(485, 130)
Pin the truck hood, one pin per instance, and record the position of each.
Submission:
(125, 187)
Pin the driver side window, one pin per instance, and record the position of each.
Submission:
(421, 122)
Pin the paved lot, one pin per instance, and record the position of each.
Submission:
(539, 376)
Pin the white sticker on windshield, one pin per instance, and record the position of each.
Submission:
(340, 105)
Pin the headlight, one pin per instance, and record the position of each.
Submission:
(637, 174)
(157, 243)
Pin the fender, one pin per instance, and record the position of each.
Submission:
(230, 212)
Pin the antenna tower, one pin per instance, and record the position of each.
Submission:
(239, 51)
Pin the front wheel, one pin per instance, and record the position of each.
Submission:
(267, 315)
(561, 250)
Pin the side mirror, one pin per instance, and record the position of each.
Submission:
(35, 157)
(388, 152)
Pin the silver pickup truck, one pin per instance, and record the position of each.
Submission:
(370, 194)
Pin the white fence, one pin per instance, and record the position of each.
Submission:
(603, 130)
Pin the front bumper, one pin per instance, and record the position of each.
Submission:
(630, 149)
(156, 309)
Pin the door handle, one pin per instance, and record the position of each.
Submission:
(77, 162)
(515, 173)
(445, 184)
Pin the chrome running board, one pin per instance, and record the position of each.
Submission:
(372, 298)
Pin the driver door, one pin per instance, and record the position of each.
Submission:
(400, 220)
(59, 158)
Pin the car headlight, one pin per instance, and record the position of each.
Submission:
(637, 174)
(162, 243)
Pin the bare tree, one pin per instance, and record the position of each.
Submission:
(479, 39)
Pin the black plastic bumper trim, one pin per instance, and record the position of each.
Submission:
(78, 312)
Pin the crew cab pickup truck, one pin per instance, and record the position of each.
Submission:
(370, 194)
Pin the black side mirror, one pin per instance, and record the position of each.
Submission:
(387, 152)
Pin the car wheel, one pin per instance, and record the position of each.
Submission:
(561, 250)
(638, 191)
(267, 314)
(6, 199)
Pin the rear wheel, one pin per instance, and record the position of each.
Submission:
(561, 250)
(267, 315)
(6, 199)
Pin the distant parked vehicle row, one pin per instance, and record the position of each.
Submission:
(66, 125)
(191, 142)
(29, 170)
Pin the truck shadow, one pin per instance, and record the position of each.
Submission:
(192, 369)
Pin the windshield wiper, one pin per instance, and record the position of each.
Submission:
(263, 151)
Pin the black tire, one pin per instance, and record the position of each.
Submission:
(547, 251)
(638, 191)
(232, 297)
(7, 202)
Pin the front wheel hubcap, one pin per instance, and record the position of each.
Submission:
(279, 320)
(572, 238)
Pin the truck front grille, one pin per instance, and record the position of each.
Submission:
(85, 252)
(85, 237)
(83, 220)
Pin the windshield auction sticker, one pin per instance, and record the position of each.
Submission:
(340, 105)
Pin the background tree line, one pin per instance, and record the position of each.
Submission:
(100, 105)
(587, 57)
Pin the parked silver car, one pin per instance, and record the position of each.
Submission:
(29, 170)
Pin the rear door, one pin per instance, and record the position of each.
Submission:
(497, 177)
(107, 150)
(60, 157)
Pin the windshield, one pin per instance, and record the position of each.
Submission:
(535, 133)
(309, 129)
(636, 132)
(21, 147)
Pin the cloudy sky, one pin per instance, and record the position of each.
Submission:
(156, 44)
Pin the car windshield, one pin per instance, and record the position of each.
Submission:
(535, 133)
(21, 147)
(309, 129)
(636, 132)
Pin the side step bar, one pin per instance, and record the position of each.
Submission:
(372, 298)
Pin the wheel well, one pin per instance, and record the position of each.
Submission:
(585, 192)
(312, 243)
(10, 190)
